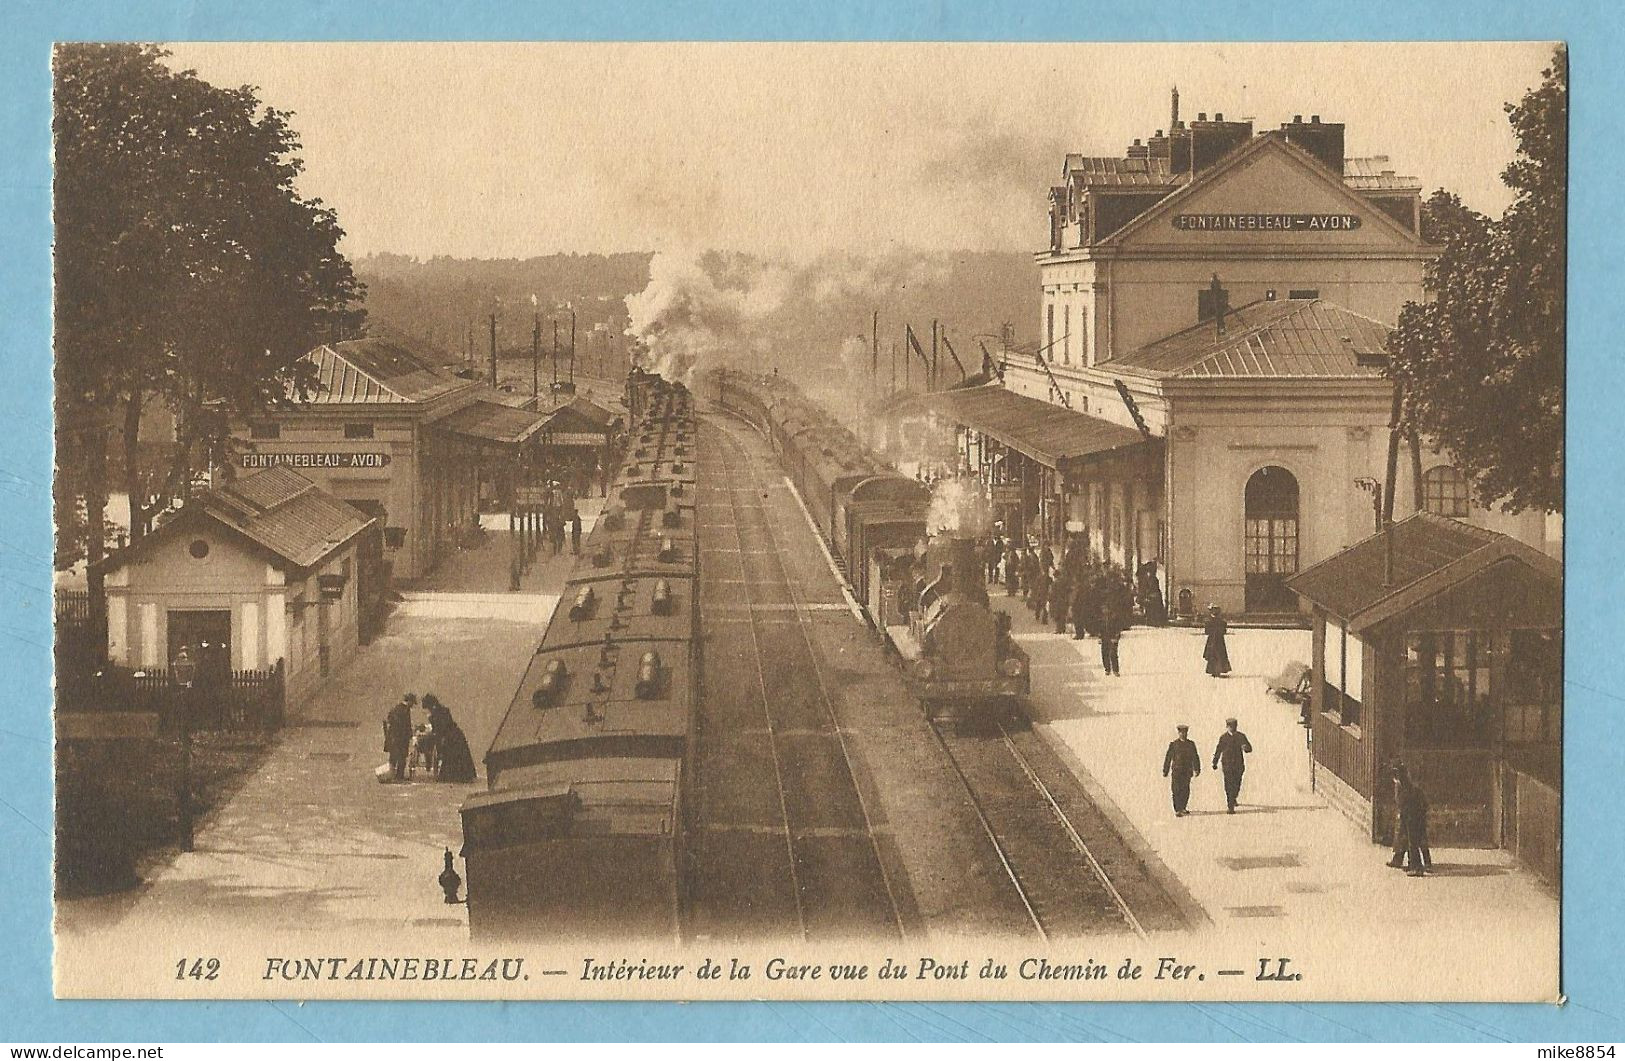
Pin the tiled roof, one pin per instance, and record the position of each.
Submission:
(1100, 171)
(593, 411)
(488, 421)
(282, 511)
(1430, 554)
(378, 371)
(1047, 433)
(1279, 339)
(1373, 174)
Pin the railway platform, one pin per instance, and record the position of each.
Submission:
(1286, 865)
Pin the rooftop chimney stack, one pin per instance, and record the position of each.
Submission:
(1173, 109)
(1324, 140)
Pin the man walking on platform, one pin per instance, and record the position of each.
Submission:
(1231, 754)
(1181, 763)
(1112, 621)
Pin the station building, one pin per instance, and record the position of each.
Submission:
(266, 570)
(404, 437)
(1209, 388)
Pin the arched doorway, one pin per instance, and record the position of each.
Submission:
(1271, 539)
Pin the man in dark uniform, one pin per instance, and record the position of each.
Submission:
(1060, 596)
(398, 735)
(1182, 763)
(1112, 621)
(1083, 603)
(1041, 585)
(1231, 754)
(1410, 828)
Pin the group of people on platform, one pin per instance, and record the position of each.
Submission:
(437, 744)
(1092, 598)
(561, 517)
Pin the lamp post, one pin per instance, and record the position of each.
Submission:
(184, 670)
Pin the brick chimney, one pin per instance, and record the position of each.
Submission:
(1324, 140)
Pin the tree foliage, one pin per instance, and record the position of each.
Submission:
(190, 274)
(1482, 363)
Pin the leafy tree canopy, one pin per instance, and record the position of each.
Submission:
(190, 274)
(1482, 363)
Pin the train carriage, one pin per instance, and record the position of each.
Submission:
(581, 830)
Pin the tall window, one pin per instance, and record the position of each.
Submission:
(1447, 687)
(1445, 492)
(1271, 539)
(1534, 680)
(1049, 330)
(1342, 669)
(1066, 334)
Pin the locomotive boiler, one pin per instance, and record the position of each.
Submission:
(957, 653)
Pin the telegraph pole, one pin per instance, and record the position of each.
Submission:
(934, 369)
(555, 356)
(572, 344)
(535, 351)
(874, 346)
(493, 350)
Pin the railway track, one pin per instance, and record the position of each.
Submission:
(1045, 852)
(815, 814)
(1053, 858)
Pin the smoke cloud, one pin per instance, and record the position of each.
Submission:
(958, 509)
(809, 319)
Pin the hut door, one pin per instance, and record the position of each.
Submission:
(1271, 548)
(207, 637)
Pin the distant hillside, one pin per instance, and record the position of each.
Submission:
(442, 301)
(797, 317)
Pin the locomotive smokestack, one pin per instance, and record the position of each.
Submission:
(967, 581)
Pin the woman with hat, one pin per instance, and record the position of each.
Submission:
(1215, 651)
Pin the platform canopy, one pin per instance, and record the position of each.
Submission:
(493, 423)
(1049, 434)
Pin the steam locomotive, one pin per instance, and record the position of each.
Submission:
(923, 593)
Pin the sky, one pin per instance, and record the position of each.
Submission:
(514, 150)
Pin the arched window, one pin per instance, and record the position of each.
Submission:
(1445, 492)
(1271, 511)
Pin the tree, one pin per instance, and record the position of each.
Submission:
(190, 275)
(1482, 363)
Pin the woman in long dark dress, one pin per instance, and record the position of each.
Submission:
(1215, 652)
(456, 761)
(452, 756)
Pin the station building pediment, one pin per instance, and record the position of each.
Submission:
(1267, 194)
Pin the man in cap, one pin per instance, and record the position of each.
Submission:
(398, 735)
(1181, 763)
(1231, 754)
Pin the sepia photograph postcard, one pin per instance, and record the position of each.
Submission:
(809, 521)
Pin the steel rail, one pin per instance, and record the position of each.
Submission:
(761, 685)
(802, 623)
(1072, 832)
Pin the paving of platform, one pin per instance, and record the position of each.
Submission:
(1286, 864)
(310, 840)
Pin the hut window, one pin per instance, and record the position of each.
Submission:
(1341, 667)
(1534, 686)
(1445, 492)
(1447, 687)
